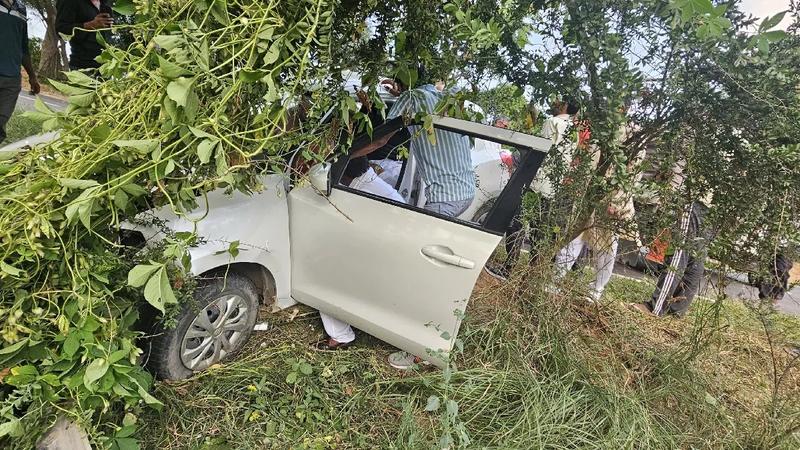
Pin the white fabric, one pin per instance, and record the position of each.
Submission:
(603, 263)
(372, 183)
(337, 330)
(554, 129)
(482, 145)
(391, 170)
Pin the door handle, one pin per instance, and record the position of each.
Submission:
(445, 255)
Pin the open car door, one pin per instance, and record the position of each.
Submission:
(396, 271)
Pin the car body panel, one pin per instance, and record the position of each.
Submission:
(361, 259)
(258, 221)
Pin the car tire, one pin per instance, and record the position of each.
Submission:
(482, 212)
(216, 326)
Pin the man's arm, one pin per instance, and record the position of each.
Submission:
(27, 64)
(65, 17)
(32, 78)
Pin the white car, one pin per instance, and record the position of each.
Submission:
(393, 270)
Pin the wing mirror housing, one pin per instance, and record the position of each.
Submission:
(320, 178)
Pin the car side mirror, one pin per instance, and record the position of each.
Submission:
(320, 177)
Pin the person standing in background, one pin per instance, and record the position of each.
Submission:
(81, 19)
(13, 54)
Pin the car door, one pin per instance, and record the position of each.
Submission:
(395, 271)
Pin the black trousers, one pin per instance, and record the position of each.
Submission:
(680, 281)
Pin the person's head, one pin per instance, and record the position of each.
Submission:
(565, 105)
(501, 121)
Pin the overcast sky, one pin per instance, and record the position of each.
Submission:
(758, 8)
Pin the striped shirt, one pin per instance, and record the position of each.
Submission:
(446, 166)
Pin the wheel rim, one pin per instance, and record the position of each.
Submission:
(215, 332)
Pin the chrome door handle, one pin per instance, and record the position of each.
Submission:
(445, 255)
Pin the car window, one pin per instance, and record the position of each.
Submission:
(444, 173)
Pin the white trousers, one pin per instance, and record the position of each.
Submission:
(603, 264)
(337, 330)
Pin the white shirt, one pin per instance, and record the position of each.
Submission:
(370, 182)
(555, 129)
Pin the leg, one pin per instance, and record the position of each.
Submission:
(689, 286)
(567, 256)
(604, 267)
(339, 331)
(9, 91)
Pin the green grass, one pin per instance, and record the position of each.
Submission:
(19, 127)
(537, 371)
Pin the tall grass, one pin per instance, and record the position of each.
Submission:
(537, 372)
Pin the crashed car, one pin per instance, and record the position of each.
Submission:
(321, 243)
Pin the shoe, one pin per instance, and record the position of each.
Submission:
(405, 361)
(329, 345)
(642, 308)
(497, 271)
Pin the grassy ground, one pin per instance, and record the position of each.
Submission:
(537, 371)
(19, 127)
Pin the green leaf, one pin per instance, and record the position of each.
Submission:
(9, 269)
(143, 146)
(68, 89)
(291, 378)
(273, 53)
(71, 344)
(83, 100)
(205, 149)
(120, 199)
(72, 183)
(771, 22)
(305, 368)
(250, 76)
(167, 295)
(171, 70)
(168, 42)
(124, 7)
(134, 189)
(94, 371)
(178, 90)
(12, 428)
(13, 348)
(433, 403)
(81, 79)
(127, 443)
(774, 36)
(139, 275)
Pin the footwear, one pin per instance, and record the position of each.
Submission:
(329, 345)
(405, 361)
(497, 271)
(641, 307)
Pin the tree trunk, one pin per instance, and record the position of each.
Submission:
(52, 62)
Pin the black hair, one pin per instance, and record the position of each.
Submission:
(572, 106)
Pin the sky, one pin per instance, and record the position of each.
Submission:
(758, 8)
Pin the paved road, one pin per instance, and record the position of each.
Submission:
(790, 304)
(25, 102)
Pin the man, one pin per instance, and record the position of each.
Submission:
(555, 129)
(446, 166)
(680, 282)
(75, 16)
(13, 54)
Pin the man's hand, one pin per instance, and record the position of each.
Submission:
(392, 87)
(35, 87)
(102, 20)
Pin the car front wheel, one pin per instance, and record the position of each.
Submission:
(209, 331)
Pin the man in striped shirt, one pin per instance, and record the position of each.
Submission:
(446, 163)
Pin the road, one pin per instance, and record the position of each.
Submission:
(790, 304)
(25, 102)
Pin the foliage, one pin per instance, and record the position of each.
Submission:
(536, 372)
(35, 50)
(19, 127)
